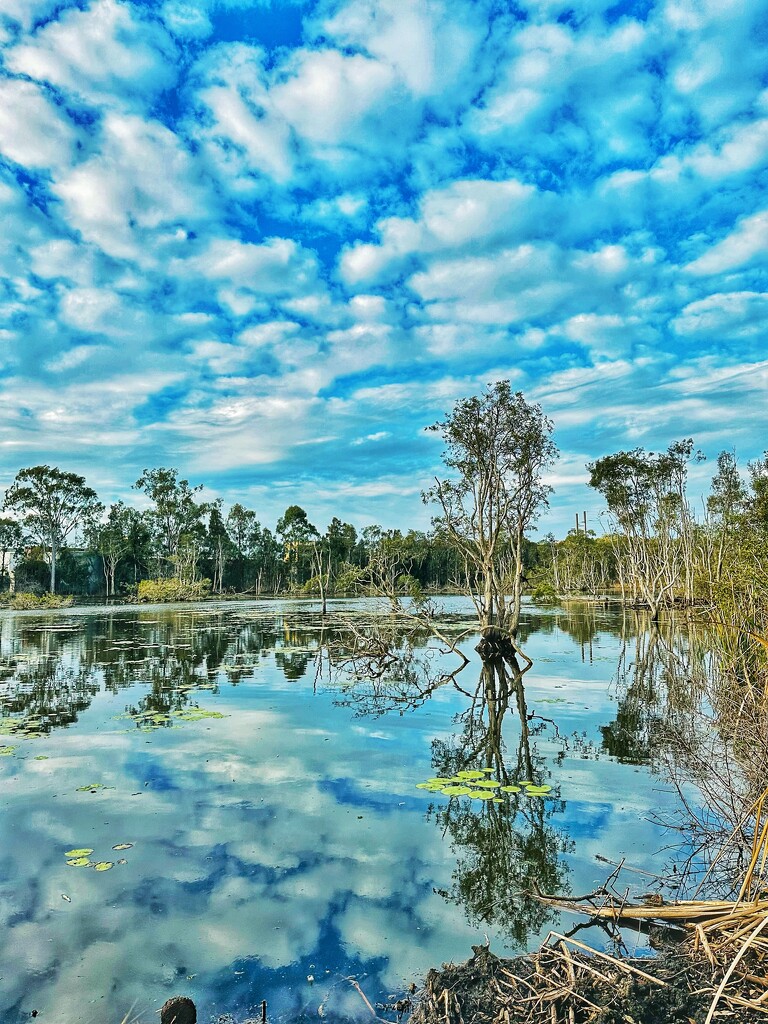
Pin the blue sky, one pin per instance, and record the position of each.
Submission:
(268, 243)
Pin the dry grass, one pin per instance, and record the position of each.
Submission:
(719, 971)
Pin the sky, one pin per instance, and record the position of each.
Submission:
(269, 243)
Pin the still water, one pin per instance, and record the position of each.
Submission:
(259, 815)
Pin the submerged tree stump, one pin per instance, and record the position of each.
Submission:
(495, 643)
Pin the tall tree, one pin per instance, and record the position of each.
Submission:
(11, 541)
(645, 495)
(112, 541)
(726, 502)
(51, 503)
(297, 534)
(498, 446)
(243, 528)
(176, 518)
(219, 545)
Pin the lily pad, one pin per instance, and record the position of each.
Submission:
(41, 757)
(469, 773)
(488, 771)
(84, 852)
(526, 782)
(103, 865)
(123, 846)
(443, 782)
(540, 789)
(456, 790)
(6, 751)
(80, 862)
(481, 794)
(487, 783)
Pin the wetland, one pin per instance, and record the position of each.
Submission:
(206, 799)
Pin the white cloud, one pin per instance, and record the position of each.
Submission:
(185, 19)
(521, 284)
(32, 131)
(139, 183)
(245, 274)
(327, 97)
(271, 333)
(429, 45)
(726, 316)
(98, 53)
(28, 12)
(471, 213)
(747, 241)
(246, 136)
(91, 309)
(63, 258)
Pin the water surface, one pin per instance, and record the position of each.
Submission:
(278, 842)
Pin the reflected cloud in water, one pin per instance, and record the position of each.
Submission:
(285, 838)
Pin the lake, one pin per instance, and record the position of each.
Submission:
(193, 803)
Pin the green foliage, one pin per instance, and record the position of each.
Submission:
(159, 591)
(24, 601)
(498, 447)
(175, 520)
(52, 503)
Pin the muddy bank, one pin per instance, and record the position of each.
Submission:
(563, 984)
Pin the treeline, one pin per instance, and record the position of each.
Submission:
(659, 550)
(60, 537)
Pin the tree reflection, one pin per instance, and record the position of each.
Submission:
(504, 850)
(387, 663)
(680, 712)
(660, 678)
(52, 668)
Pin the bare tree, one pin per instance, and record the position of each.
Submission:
(498, 446)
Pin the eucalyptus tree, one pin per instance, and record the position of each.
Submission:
(299, 539)
(51, 504)
(11, 544)
(498, 447)
(726, 504)
(581, 563)
(645, 493)
(112, 540)
(342, 540)
(175, 519)
(244, 529)
(219, 546)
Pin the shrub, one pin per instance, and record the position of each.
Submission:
(26, 601)
(162, 590)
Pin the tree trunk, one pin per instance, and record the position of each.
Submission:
(517, 594)
(53, 568)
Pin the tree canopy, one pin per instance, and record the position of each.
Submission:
(51, 503)
(498, 447)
